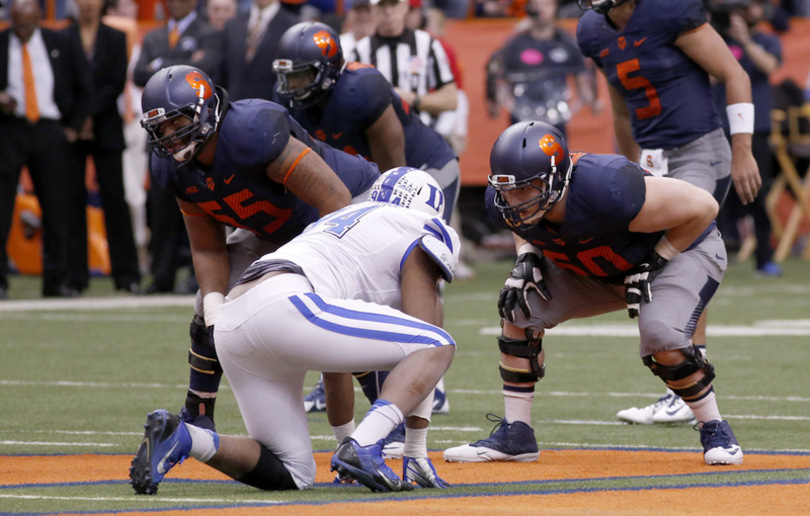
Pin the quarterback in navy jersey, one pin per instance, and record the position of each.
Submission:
(247, 165)
(351, 106)
(659, 57)
(596, 234)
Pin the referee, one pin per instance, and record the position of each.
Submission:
(412, 61)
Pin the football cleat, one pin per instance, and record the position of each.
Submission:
(512, 442)
(720, 447)
(366, 465)
(393, 446)
(420, 471)
(668, 409)
(673, 411)
(315, 401)
(166, 443)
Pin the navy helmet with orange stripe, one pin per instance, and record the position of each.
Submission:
(181, 109)
(309, 62)
(531, 155)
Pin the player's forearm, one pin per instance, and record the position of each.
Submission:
(212, 269)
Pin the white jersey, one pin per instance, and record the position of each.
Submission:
(358, 252)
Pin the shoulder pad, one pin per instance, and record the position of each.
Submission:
(442, 244)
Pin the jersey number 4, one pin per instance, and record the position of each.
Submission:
(624, 69)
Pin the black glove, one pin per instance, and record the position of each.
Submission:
(638, 284)
(524, 277)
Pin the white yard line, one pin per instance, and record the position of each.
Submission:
(95, 303)
(758, 329)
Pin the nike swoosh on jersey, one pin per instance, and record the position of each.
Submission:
(638, 42)
(336, 136)
(714, 163)
(229, 179)
(161, 467)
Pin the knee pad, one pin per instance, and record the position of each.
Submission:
(270, 474)
(530, 348)
(694, 362)
(202, 355)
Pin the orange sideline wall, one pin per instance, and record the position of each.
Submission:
(475, 40)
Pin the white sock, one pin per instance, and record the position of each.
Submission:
(415, 442)
(383, 417)
(705, 409)
(518, 406)
(343, 431)
(204, 443)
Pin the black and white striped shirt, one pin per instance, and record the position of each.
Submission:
(414, 61)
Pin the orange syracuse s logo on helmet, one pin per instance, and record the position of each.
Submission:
(326, 43)
(552, 148)
(197, 81)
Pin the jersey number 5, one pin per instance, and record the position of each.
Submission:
(632, 83)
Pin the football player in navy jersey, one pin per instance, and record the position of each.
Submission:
(245, 164)
(595, 234)
(659, 58)
(351, 106)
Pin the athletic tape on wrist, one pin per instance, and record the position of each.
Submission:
(665, 249)
(211, 304)
(740, 118)
(527, 248)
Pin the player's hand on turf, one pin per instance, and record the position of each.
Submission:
(638, 285)
(526, 276)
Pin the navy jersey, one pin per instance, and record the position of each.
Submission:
(605, 194)
(761, 89)
(667, 94)
(235, 189)
(357, 100)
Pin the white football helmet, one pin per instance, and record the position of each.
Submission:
(410, 188)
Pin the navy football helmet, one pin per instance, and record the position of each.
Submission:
(600, 6)
(529, 154)
(180, 91)
(309, 62)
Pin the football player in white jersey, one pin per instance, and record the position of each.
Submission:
(355, 291)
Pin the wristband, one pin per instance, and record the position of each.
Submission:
(740, 118)
(211, 304)
(665, 250)
(528, 248)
